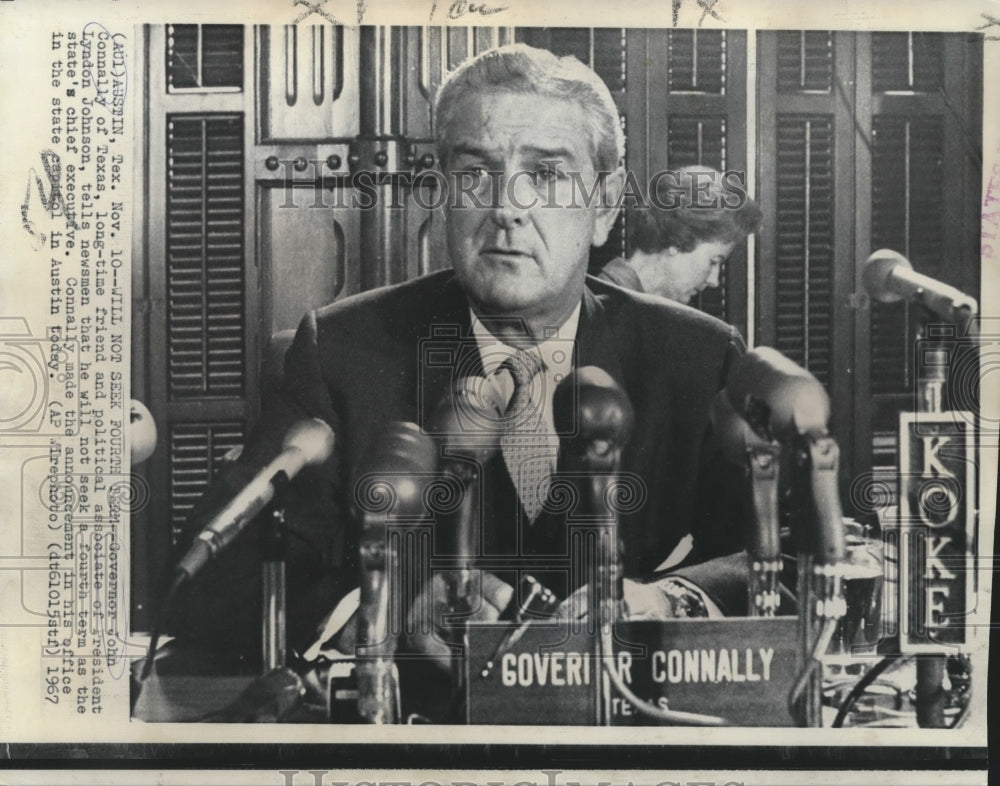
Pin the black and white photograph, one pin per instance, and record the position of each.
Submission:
(470, 376)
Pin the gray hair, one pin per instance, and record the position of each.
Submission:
(519, 68)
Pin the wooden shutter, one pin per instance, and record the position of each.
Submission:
(205, 256)
(203, 57)
(865, 141)
(804, 61)
(805, 265)
(200, 303)
(804, 228)
(907, 195)
(907, 62)
(922, 106)
(686, 104)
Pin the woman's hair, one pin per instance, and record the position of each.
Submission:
(691, 206)
(519, 68)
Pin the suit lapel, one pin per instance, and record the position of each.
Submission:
(446, 348)
(596, 343)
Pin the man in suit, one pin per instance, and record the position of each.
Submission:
(531, 149)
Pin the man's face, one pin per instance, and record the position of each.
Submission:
(519, 224)
(683, 274)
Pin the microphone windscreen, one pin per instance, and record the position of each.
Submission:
(470, 418)
(401, 447)
(878, 269)
(590, 404)
(767, 386)
(142, 432)
(392, 474)
(313, 438)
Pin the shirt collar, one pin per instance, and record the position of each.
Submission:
(554, 351)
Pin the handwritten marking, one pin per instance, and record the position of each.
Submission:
(316, 7)
(52, 202)
(991, 21)
(707, 6)
(460, 8)
(988, 249)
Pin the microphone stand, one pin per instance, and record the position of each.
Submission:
(274, 554)
(752, 448)
(387, 490)
(593, 454)
(279, 690)
(466, 426)
(592, 446)
(378, 679)
(930, 694)
(820, 586)
(459, 580)
(765, 556)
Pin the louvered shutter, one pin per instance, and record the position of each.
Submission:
(804, 225)
(805, 273)
(907, 62)
(205, 258)
(866, 141)
(201, 57)
(198, 375)
(805, 61)
(685, 105)
(697, 67)
(803, 218)
(697, 61)
(197, 452)
(907, 194)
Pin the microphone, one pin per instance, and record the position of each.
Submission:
(467, 425)
(468, 421)
(736, 437)
(595, 416)
(142, 432)
(593, 445)
(385, 486)
(778, 398)
(740, 444)
(306, 443)
(888, 277)
(781, 400)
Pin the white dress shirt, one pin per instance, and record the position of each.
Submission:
(558, 352)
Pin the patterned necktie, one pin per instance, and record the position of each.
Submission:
(525, 440)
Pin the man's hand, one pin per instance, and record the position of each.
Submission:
(642, 602)
(489, 596)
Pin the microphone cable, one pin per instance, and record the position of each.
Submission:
(647, 708)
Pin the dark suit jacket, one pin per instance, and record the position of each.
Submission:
(383, 356)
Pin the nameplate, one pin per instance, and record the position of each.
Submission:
(738, 669)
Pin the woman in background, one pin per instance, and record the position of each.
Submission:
(683, 238)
